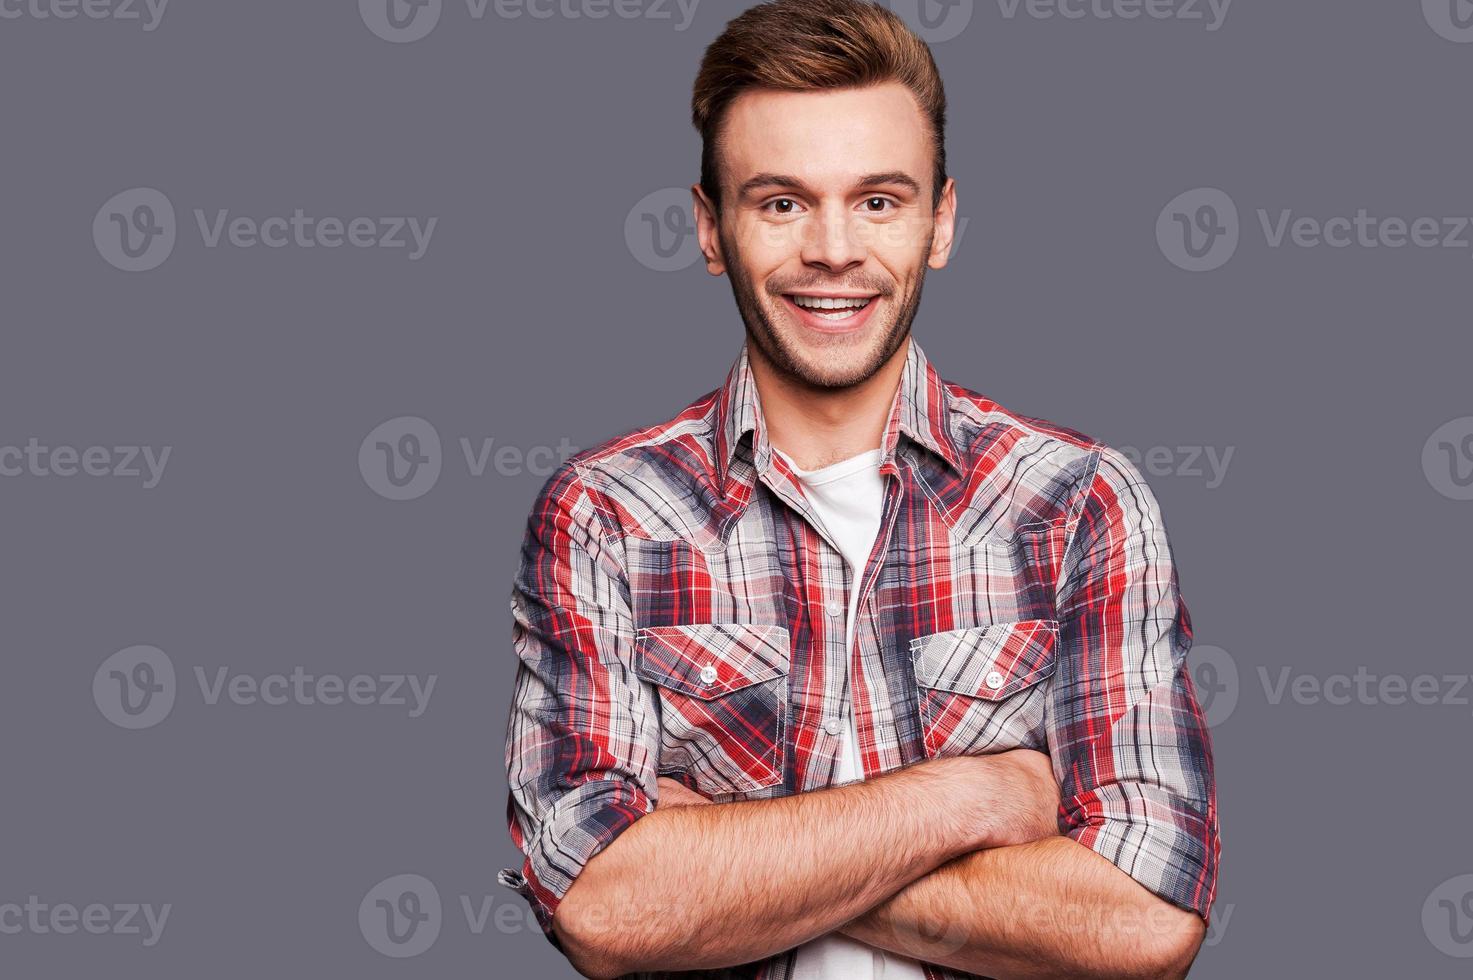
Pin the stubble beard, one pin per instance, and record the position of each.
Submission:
(784, 355)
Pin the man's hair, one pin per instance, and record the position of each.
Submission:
(808, 45)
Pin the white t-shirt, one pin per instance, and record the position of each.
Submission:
(848, 497)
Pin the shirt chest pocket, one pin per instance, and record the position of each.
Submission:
(982, 689)
(723, 691)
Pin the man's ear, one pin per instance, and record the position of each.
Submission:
(945, 219)
(707, 231)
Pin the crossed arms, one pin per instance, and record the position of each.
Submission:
(952, 861)
(995, 865)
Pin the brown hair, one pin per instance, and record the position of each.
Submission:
(803, 45)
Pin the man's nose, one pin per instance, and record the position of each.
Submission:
(832, 240)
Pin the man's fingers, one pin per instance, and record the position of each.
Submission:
(673, 793)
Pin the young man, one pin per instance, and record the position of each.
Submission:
(846, 671)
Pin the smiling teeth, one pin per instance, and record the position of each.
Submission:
(831, 303)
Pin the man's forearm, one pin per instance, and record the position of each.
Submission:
(1048, 908)
(705, 887)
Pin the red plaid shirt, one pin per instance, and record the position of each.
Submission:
(679, 611)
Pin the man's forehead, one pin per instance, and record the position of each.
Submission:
(826, 136)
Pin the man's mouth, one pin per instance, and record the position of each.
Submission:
(833, 309)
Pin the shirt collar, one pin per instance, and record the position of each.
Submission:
(918, 411)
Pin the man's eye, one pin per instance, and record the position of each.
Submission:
(782, 205)
(877, 204)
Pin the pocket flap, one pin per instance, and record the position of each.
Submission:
(709, 660)
(990, 662)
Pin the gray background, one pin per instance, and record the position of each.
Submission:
(531, 320)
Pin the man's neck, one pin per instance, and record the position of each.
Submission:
(817, 427)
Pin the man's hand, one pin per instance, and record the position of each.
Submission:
(673, 793)
(1031, 903)
(1023, 795)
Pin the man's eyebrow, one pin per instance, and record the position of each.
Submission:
(766, 180)
(769, 180)
(891, 177)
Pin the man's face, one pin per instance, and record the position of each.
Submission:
(827, 226)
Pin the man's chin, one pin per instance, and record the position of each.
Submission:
(826, 361)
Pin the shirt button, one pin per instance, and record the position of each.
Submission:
(708, 674)
(994, 679)
(833, 607)
(833, 726)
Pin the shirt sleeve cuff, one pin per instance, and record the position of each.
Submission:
(1168, 844)
(582, 823)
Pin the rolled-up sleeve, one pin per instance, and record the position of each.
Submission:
(582, 736)
(1126, 732)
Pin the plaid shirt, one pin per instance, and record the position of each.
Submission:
(679, 611)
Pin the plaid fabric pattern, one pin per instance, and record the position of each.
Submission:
(679, 611)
